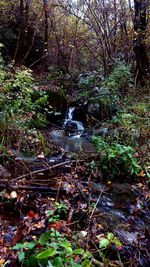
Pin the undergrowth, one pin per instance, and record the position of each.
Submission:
(54, 248)
(21, 115)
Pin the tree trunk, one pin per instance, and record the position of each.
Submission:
(46, 23)
(20, 30)
(22, 41)
(45, 6)
(140, 24)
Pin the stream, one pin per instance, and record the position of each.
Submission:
(123, 208)
(70, 137)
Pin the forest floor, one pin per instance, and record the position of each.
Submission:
(70, 212)
(69, 198)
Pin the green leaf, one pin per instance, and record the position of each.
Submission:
(86, 263)
(69, 250)
(43, 239)
(78, 251)
(57, 262)
(49, 213)
(21, 256)
(46, 254)
(18, 246)
(87, 254)
(110, 236)
(32, 261)
(104, 243)
(65, 244)
(29, 245)
(117, 242)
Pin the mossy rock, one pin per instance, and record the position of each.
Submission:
(56, 97)
(56, 100)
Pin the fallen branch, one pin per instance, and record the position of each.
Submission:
(43, 170)
(30, 188)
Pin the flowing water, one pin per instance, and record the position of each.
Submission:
(70, 136)
(74, 128)
(119, 208)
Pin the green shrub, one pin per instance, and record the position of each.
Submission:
(52, 249)
(115, 158)
(119, 79)
(19, 112)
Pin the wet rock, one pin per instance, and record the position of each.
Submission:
(56, 103)
(67, 77)
(80, 112)
(127, 237)
(101, 132)
(57, 134)
(94, 110)
(99, 91)
(119, 188)
(71, 128)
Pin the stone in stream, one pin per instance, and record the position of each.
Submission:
(74, 128)
(70, 128)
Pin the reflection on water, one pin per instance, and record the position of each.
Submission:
(71, 143)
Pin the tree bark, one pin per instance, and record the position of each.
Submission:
(46, 15)
(22, 41)
(140, 24)
(20, 30)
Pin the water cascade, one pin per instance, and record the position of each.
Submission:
(70, 137)
(72, 127)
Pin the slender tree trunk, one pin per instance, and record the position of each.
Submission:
(22, 41)
(30, 46)
(20, 30)
(45, 6)
(45, 2)
(140, 24)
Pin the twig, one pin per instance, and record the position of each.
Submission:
(97, 263)
(95, 206)
(81, 192)
(32, 188)
(43, 170)
(90, 218)
(59, 187)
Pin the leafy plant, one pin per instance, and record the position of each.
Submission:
(53, 215)
(19, 110)
(106, 244)
(119, 79)
(110, 239)
(86, 81)
(115, 158)
(140, 109)
(52, 249)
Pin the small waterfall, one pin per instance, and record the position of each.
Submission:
(72, 127)
(70, 136)
(69, 113)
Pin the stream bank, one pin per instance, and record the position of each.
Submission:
(69, 177)
(122, 209)
(97, 204)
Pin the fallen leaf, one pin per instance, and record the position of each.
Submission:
(142, 174)
(31, 214)
(57, 225)
(13, 194)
